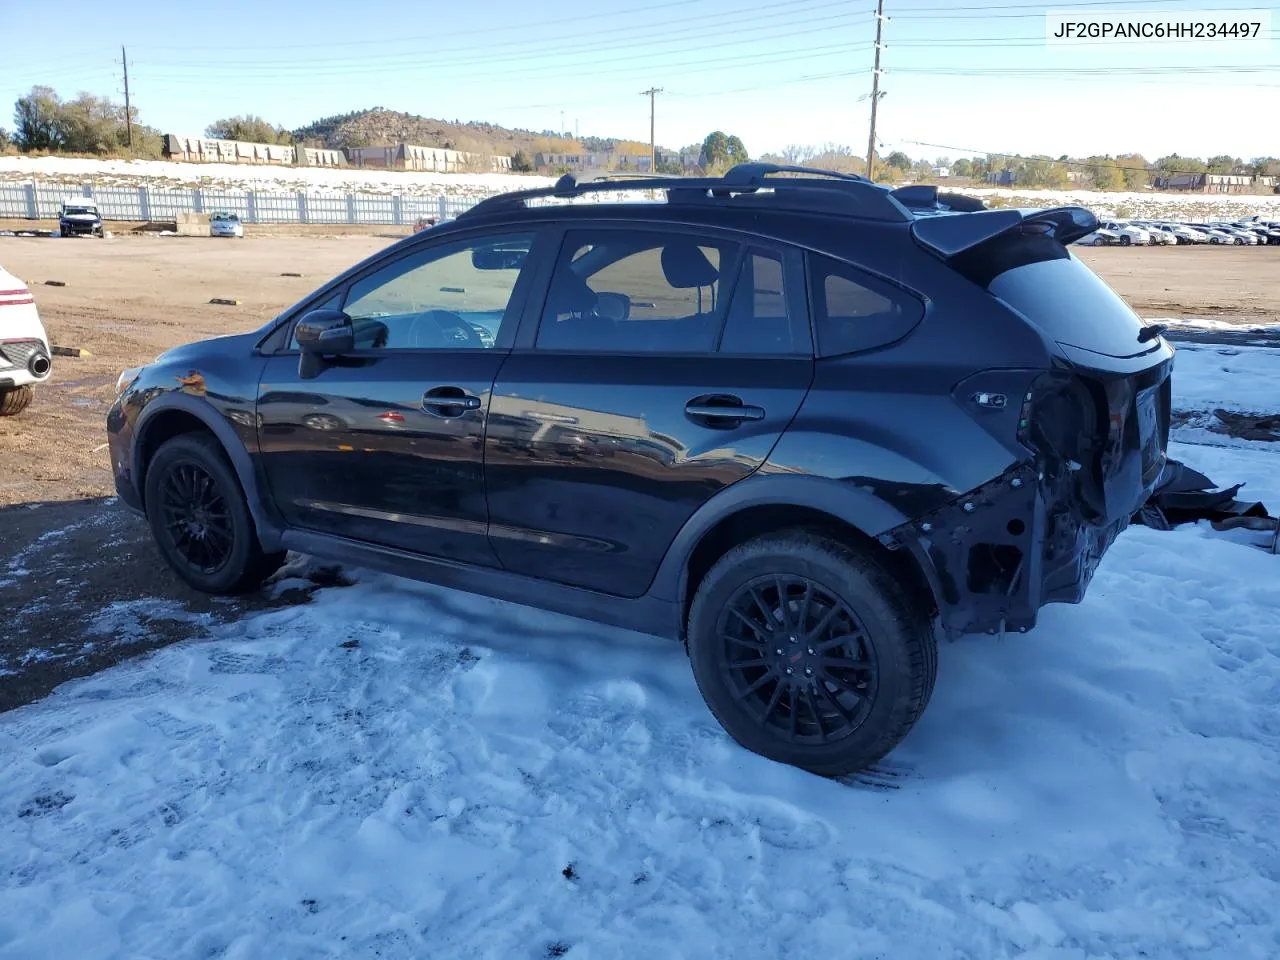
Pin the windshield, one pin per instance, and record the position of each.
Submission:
(225, 218)
(77, 210)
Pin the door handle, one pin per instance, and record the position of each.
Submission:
(449, 401)
(721, 411)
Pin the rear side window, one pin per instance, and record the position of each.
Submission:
(635, 291)
(853, 311)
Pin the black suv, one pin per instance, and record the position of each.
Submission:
(803, 423)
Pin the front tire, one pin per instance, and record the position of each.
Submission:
(809, 653)
(1125, 240)
(14, 400)
(200, 519)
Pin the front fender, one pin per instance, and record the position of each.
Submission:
(269, 531)
(856, 505)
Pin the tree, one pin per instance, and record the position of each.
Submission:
(4, 139)
(90, 124)
(36, 119)
(520, 162)
(1222, 164)
(720, 151)
(962, 167)
(249, 128)
(898, 160)
(1133, 168)
(1104, 173)
(1176, 164)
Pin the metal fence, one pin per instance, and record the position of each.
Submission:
(38, 201)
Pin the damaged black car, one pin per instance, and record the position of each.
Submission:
(804, 423)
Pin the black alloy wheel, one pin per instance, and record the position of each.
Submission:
(200, 518)
(197, 517)
(798, 658)
(810, 652)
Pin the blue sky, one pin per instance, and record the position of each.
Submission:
(958, 73)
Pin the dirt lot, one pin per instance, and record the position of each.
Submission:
(128, 298)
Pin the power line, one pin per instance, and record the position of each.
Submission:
(632, 46)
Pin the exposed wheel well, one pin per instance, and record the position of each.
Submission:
(163, 427)
(757, 521)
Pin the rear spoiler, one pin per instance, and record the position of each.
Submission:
(950, 236)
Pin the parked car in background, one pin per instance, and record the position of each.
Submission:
(1100, 238)
(1216, 236)
(1127, 232)
(79, 217)
(1242, 236)
(226, 224)
(24, 346)
(688, 418)
(1159, 237)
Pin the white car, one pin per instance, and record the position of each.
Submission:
(24, 347)
(1102, 237)
(1155, 230)
(224, 224)
(1243, 236)
(1128, 233)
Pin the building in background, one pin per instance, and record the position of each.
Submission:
(408, 156)
(209, 150)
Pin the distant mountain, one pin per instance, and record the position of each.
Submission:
(375, 127)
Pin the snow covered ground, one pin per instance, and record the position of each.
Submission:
(1143, 205)
(398, 771)
(165, 173)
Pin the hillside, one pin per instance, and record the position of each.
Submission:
(378, 126)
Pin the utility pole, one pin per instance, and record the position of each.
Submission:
(875, 93)
(128, 116)
(653, 148)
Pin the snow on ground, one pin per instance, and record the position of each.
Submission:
(161, 173)
(1243, 379)
(395, 770)
(1142, 205)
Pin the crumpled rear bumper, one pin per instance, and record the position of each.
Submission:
(996, 555)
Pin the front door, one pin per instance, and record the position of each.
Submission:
(665, 367)
(385, 445)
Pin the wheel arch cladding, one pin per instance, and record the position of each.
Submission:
(833, 509)
(176, 415)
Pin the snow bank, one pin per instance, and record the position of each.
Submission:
(1143, 205)
(173, 174)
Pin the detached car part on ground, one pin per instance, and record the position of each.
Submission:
(24, 347)
(805, 424)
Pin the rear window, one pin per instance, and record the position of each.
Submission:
(1072, 305)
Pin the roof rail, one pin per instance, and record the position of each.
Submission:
(823, 191)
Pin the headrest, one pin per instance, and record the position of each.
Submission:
(684, 265)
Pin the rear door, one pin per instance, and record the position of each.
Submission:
(662, 368)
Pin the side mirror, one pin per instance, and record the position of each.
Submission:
(613, 307)
(325, 333)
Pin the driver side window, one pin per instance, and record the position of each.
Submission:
(444, 298)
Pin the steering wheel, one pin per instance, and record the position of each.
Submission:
(454, 330)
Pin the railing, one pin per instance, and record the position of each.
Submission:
(38, 201)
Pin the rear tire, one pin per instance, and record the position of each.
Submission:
(15, 399)
(862, 659)
(200, 518)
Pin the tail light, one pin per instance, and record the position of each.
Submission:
(1065, 424)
